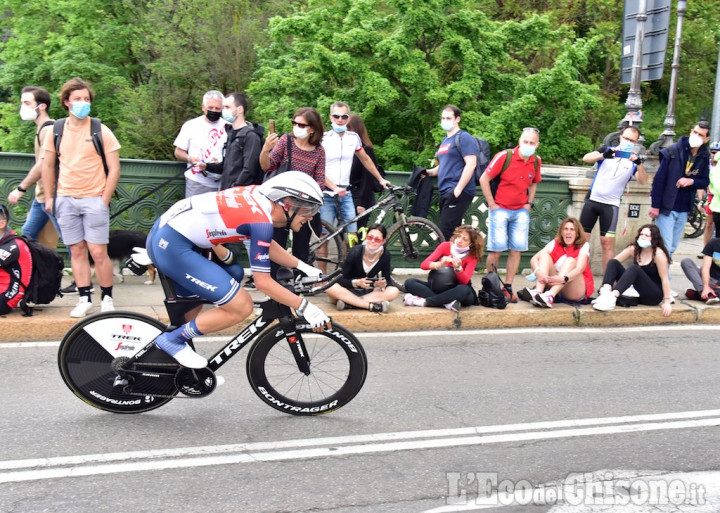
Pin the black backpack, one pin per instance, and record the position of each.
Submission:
(97, 140)
(491, 295)
(47, 271)
(482, 153)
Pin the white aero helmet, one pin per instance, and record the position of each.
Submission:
(300, 189)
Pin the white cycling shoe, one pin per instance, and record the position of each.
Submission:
(181, 351)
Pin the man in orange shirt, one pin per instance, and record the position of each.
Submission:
(80, 194)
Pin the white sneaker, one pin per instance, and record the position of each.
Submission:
(605, 302)
(603, 290)
(107, 304)
(82, 307)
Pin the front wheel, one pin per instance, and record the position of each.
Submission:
(338, 367)
(90, 349)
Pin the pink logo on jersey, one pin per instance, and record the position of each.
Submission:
(263, 244)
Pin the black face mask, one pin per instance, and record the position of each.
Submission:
(213, 116)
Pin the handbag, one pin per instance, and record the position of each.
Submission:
(284, 165)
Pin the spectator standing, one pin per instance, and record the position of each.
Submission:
(307, 156)
(509, 208)
(648, 273)
(241, 160)
(705, 281)
(712, 206)
(455, 171)
(15, 265)
(341, 145)
(683, 169)
(80, 193)
(615, 168)
(200, 142)
(366, 272)
(455, 260)
(35, 103)
(364, 185)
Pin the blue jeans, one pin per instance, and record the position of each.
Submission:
(328, 212)
(37, 218)
(672, 227)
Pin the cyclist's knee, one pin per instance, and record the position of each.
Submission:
(240, 306)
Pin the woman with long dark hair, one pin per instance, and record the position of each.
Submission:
(366, 273)
(648, 273)
(306, 155)
(364, 185)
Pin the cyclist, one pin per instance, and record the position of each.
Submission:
(237, 214)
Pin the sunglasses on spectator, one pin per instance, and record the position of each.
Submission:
(300, 125)
(340, 116)
(372, 238)
(533, 129)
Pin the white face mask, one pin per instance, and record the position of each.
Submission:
(227, 115)
(695, 141)
(28, 113)
(300, 133)
(644, 243)
(447, 124)
(527, 150)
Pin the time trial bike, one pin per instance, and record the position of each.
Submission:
(110, 361)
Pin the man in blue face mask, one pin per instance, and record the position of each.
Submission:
(80, 193)
(509, 208)
(615, 168)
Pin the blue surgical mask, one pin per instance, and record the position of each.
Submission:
(644, 243)
(339, 128)
(80, 109)
(227, 115)
(527, 150)
(447, 124)
(626, 145)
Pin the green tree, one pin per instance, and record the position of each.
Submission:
(398, 62)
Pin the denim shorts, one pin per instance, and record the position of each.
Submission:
(83, 219)
(328, 212)
(508, 229)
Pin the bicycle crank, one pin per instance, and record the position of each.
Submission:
(195, 382)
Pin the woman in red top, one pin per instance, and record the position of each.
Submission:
(462, 254)
(562, 267)
(15, 265)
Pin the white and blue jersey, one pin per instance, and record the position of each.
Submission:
(206, 220)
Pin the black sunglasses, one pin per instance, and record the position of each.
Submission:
(340, 116)
(300, 125)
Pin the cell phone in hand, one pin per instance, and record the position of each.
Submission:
(271, 126)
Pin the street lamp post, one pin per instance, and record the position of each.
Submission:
(666, 139)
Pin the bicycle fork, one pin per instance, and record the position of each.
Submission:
(296, 343)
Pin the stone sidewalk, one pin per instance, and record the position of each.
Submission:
(51, 322)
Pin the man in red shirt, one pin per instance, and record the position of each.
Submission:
(509, 208)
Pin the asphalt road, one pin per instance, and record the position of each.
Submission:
(441, 415)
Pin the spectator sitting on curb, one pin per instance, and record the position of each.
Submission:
(648, 273)
(461, 255)
(705, 281)
(359, 285)
(563, 267)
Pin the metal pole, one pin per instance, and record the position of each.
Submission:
(634, 100)
(715, 130)
(667, 137)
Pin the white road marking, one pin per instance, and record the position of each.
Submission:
(455, 333)
(190, 457)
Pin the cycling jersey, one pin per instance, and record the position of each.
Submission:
(232, 215)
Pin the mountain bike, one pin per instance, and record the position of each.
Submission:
(110, 361)
(695, 224)
(412, 237)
